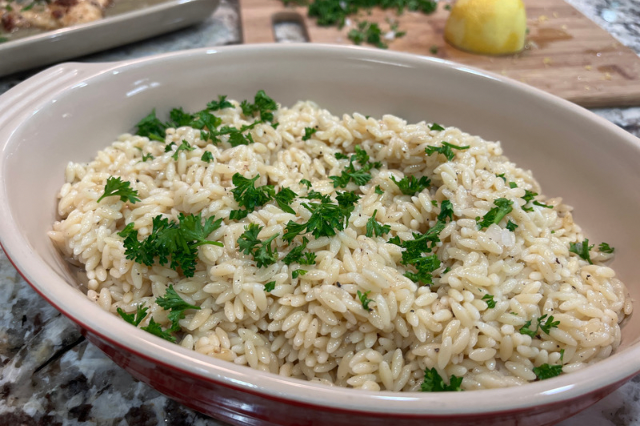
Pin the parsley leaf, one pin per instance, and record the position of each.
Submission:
(263, 105)
(296, 255)
(373, 227)
(306, 183)
(308, 132)
(546, 371)
(207, 157)
(283, 198)
(326, 217)
(445, 149)
(425, 266)
(178, 241)
(152, 127)
(367, 32)
(409, 185)
(582, 250)
(134, 319)
(489, 299)
(546, 327)
(341, 156)
(424, 243)
(446, 211)
(174, 303)
(270, 286)
(360, 176)
(298, 273)
(511, 226)
(526, 330)
(379, 190)
(433, 382)
(513, 185)
(436, 126)
(221, 103)
(549, 324)
(605, 248)
(184, 146)
(116, 186)
(496, 214)
(262, 252)
(146, 157)
(155, 329)
(364, 299)
(180, 118)
(248, 196)
(529, 196)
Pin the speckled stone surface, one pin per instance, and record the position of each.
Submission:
(49, 375)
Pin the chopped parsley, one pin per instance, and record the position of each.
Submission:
(546, 327)
(511, 226)
(425, 265)
(409, 185)
(335, 12)
(298, 273)
(116, 186)
(308, 132)
(184, 146)
(364, 299)
(529, 196)
(434, 50)
(134, 319)
(207, 157)
(360, 176)
(170, 240)
(582, 250)
(248, 196)
(433, 382)
(341, 156)
(414, 250)
(367, 32)
(546, 371)
(152, 127)
(605, 248)
(173, 302)
(4, 39)
(169, 147)
(296, 255)
(489, 299)
(446, 211)
(446, 149)
(326, 217)
(513, 185)
(146, 157)
(374, 227)
(283, 198)
(263, 105)
(268, 287)
(221, 103)
(262, 252)
(306, 183)
(437, 127)
(496, 214)
(379, 190)
(155, 329)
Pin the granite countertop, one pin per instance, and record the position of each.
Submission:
(50, 375)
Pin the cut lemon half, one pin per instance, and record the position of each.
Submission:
(492, 27)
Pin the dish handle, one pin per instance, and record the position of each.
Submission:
(44, 85)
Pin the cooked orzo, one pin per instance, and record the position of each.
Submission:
(355, 251)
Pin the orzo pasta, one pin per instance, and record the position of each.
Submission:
(353, 319)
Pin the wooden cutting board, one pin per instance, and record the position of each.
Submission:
(567, 54)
